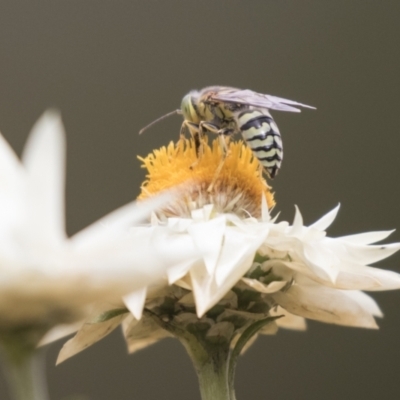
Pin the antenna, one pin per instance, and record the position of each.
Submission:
(160, 119)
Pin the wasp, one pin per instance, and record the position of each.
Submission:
(228, 111)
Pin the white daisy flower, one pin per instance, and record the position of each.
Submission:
(252, 267)
(255, 274)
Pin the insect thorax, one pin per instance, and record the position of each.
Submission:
(219, 113)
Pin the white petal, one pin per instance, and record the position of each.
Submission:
(208, 238)
(236, 257)
(365, 301)
(60, 332)
(350, 277)
(323, 223)
(237, 246)
(273, 220)
(13, 194)
(135, 302)
(326, 305)
(207, 292)
(10, 166)
(371, 254)
(288, 321)
(324, 261)
(297, 222)
(89, 334)
(44, 159)
(366, 238)
(120, 220)
(200, 284)
(138, 258)
(269, 329)
(264, 209)
(367, 278)
(261, 287)
(184, 283)
(143, 333)
(177, 272)
(207, 210)
(179, 224)
(197, 215)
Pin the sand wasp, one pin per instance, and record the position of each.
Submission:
(227, 111)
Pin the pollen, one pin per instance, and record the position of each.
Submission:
(238, 187)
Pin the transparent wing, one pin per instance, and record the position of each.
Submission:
(258, 100)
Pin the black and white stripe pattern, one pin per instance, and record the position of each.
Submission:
(262, 135)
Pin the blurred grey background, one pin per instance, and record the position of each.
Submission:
(111, 67)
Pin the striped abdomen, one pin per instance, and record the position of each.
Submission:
(262, 135)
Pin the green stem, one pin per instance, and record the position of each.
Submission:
(212, 371)
(212, 352)
(25, 376)
(210, 358)
(23, 364)
(213, 381)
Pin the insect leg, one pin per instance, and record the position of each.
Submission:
(198, 137)
(222, 133)
(207, 126)
(191, 127)
(195, 134)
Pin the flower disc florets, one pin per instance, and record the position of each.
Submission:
(237, 188)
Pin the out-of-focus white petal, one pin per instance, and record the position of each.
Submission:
(135, 302)
(44, 160)
(12, 192)
(139, 257)
(119, 221)
(10, 166)
(326, 220)
(90, 333)
(44, 276)
(59, 332)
